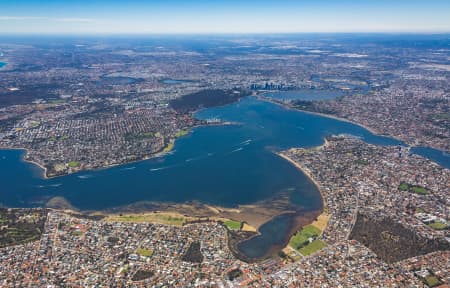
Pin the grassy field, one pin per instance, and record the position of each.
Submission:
(181, 133)
(437, 225)
(301, 239)
(144, 252)
(162, 218)
(169, 147)
(413, 188)
(232, 225)
(403, 187)
(312, 247)
(418, 190)
(73, 164)
(431, 281)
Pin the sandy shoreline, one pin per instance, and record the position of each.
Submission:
(251, 215)
(44, 170)
(255, 215)
(322, 220)
(308, 174)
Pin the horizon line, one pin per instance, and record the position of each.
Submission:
(399, 32)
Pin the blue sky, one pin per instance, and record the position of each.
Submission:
(227, 16)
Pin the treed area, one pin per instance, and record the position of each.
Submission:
(18, 226)
(193, 253)
(392, 241)
(142, 274)
(206, 98)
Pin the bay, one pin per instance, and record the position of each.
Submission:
(225, 165)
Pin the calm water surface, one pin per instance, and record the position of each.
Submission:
(175, 81)
(220, 165)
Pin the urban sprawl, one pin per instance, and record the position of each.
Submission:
(93, 104)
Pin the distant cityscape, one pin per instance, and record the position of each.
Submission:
(48, 100)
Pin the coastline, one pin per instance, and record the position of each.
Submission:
(298, 220)
(371, 130)
(253, 218)
(164, 151)
(253, 215)
(325, 213)
(289, 106)
(308, 174)
(44, 169)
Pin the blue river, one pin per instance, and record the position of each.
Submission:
(222, 165)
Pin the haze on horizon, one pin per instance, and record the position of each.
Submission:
(214, 16)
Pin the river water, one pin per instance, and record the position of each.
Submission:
(220, 165)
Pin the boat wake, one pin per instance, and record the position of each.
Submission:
(129, 168)
(236, 150)
(157, 169)
(199, 158)
(48, 186)
(162, 168)
(85, 176)
(246, 142)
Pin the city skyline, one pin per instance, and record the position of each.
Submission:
(192, 17)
